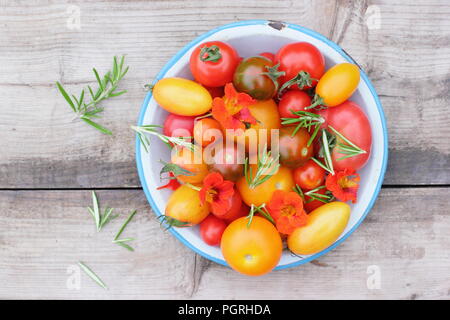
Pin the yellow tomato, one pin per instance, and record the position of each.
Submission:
(192, 162)
(184, 205)
(182, 96)
(253, 250)
(281, 180)
(267, 117)
(325, 224)
(338, 84)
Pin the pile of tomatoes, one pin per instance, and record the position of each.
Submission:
(295, 197)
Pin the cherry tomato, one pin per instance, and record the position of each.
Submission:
(178, 126)
(268, 55)
(281, 180)
(338, 84)
(323, 228)
(188, 160)
(351, 121)
(243, 212)
(253, 250)
(184, 205)
(252, 77)
(311, 204)
(211, 230)
(203, 131)
(182, 96)
(216, 92)
(309, 176)
(293, 100)
(297, 57)
(213, 63)
(294, 151)
(235, 208)
(226, 162)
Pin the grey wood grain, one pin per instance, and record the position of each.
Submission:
(41, 147)
(43, 233)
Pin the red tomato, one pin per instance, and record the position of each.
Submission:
(300, 56)
(178, 126)
(309, 176)
(350, 120)
(211, 230)
(213, 63)
(243, 212)
(314, 204)
(234, 212)
(268, 55)
(216, 92)
(293, 100)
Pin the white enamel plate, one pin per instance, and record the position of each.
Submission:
(250, 38)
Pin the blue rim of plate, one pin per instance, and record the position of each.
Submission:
(313, 34)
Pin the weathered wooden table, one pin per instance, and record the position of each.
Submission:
(49, 163)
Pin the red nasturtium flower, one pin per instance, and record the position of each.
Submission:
(344, 184)
(231, 111)
(217, 192)
(173, 183)
(286, 208)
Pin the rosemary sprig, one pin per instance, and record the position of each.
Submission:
(314, 195)
(328, 166)
(350, 149)
(265, 162)
(107, 86)
(175, 169)
(306, 120)
(254, 209)
(122, 242)
(170, 222)
(92, 275)
(100, 219)
(151, 129)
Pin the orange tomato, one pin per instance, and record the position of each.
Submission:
(324, 226)
(191, 161)
(267, 116)
(338, 84)
(281, 180)
(204, 131)
(184, 205)
(253, 250)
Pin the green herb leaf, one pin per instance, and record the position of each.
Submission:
(92, 275)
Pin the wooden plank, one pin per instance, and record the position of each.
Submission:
(407, 58)
(42, 233)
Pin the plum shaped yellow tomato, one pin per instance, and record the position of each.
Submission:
(184, 205)
(338, 84)
(182, 96)
(325, 224)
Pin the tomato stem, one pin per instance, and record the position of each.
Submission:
(210, 53)
(273, 73)
(302, 79)
(317, 101)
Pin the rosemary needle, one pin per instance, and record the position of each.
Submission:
(122, 242)
(92, 275)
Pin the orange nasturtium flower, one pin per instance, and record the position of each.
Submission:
(231, 111)
(344, 184)
(217, 192)
(286, 208)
